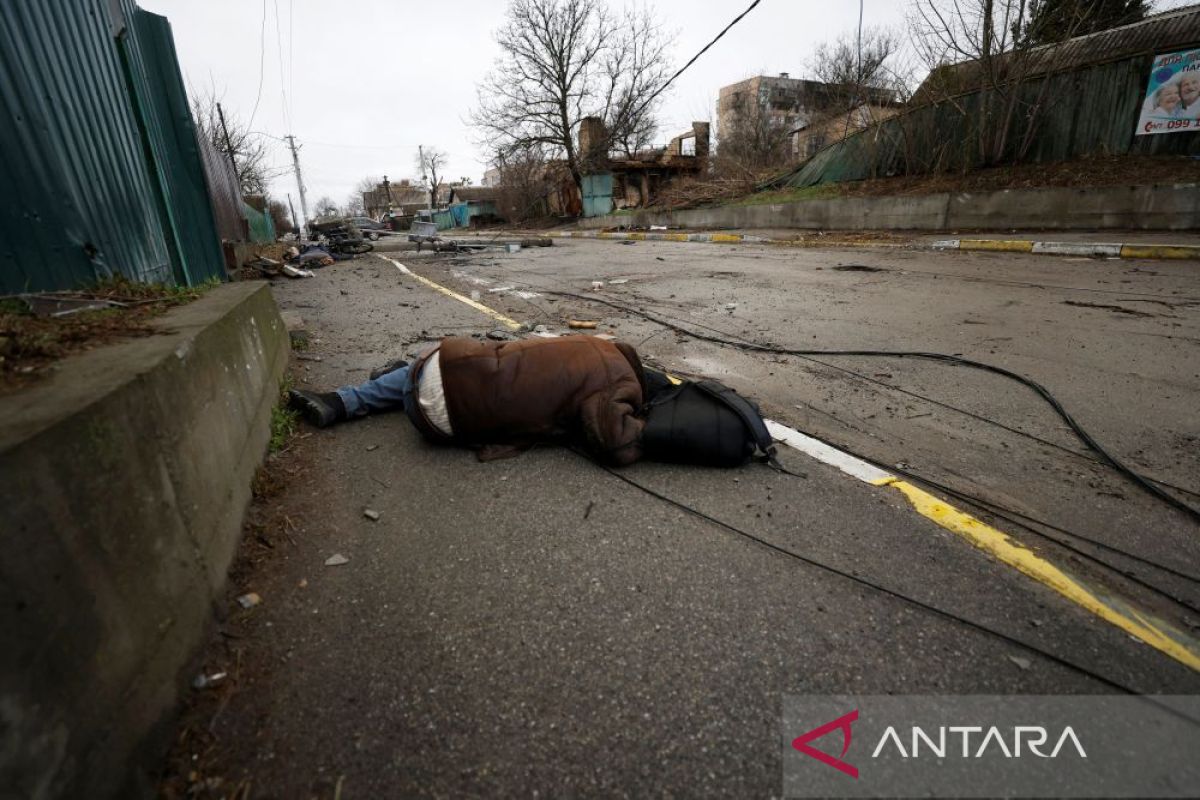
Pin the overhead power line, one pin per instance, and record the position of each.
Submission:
(287, 114)
(693, 59)
(262, 62)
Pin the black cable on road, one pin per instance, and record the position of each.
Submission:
(812, 562)
(1085, 437)
(1027, 522)
(1013, 516)
(892, 387)
(933, 401)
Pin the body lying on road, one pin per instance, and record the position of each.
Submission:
(504, 397)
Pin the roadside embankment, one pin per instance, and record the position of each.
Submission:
(126, 475)
(1157, 207)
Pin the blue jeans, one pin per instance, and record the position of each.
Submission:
(391, 391)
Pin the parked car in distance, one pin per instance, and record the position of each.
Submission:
(369, 227)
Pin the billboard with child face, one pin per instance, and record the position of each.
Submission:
(1172, 101)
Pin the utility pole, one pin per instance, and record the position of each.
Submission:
(387, 188)
(228, 144)
(424, 177)
(299, 179)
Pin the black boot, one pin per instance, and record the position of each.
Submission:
(320, 410)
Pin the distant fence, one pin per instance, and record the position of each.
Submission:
(1088, 111)
(262, 228)
(101, 171)
(224, 192)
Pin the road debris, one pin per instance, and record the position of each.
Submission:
(296, 272)
(1023, 663)
(597, 285)
(371, 514)
(1133, 312)
(203, 681)
(371, 447)
(582, 324)
(336, 560)
(249, 600)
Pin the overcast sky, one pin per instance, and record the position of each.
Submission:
(366, 82)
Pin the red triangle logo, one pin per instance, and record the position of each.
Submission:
(841, 723)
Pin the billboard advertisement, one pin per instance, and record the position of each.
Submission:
(1172, 100)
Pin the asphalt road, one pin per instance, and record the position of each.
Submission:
(538, 625)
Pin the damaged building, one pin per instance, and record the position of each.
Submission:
(634, 181)
(812, 113)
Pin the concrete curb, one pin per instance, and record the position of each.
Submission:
(127, 473)
(1087, 249)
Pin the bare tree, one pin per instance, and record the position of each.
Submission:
(988, 45)
(280, 216)
(862, 76)
(356, 205)
(430, 162)
(563, 61)
(524, 185)
(856, 70)
(251, 158)
(326, 207)
(754, 140)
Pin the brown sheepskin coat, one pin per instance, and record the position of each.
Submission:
(505, 396)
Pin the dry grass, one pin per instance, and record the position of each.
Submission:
(1088, 172)
(31, 342)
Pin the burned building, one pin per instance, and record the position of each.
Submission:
(634, 181)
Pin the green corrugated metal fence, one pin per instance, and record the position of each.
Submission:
(162, 105)
(1090, 111)
(95, 166)
(262, 228)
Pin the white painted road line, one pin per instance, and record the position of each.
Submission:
(851, 465)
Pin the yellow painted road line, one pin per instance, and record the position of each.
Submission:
(1160, 635)
(1000, 245)
(437, 287)
(1159, 251)
(1157, 633)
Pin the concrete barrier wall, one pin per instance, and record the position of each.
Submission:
(1168, 208)
(125, 478)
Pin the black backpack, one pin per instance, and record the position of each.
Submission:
(706, 423)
